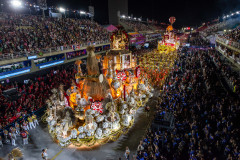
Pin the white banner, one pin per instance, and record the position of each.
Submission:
(56, 15)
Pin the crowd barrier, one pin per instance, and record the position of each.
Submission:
(228, 42)
(13, 71)
(15, 55)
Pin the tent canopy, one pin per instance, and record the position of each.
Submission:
(133, 33)
(111, 28)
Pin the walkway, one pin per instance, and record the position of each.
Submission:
(40, 139)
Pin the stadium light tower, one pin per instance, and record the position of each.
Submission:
(63, 10)
(16, 3)
(43, 6)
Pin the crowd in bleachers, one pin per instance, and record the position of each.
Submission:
(71, 55)
(143, 50)
(198, 42)
(211, 29)
(223, 31)
(206, 115)
(29, 33)
(137, 25)
(14, 67)
(233, 35)
(227, 71)
(50, 59)
(32, 96)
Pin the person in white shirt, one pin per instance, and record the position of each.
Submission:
(12, 136)
(35, 121)
(30, 122)
(127, 153)
(140, 146)
(1, 143)
(44, 154)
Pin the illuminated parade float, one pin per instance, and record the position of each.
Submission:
(169, 38)
(99, 108)
(156, 65)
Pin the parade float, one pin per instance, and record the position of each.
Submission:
(98, 108)
(170, 40)
(157, 65)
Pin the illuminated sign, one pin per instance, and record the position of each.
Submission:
(169, 44)
(32, 57)
(14, 74)
(51, 64)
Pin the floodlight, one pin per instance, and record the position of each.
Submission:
(16, 3)
(62, 9)
(82, 12)
(123, 16)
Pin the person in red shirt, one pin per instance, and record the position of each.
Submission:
(24, 135)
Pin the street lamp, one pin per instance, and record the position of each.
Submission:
(16, 3)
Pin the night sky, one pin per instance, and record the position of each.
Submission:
(187, 12)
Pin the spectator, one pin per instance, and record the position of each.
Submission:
(205, 128)
(28, 34)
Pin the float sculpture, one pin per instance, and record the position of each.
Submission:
(98, 108)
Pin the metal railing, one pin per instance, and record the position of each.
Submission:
(21, 54)
(228, 42)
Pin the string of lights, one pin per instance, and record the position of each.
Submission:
(20, 4)
(230, 15)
